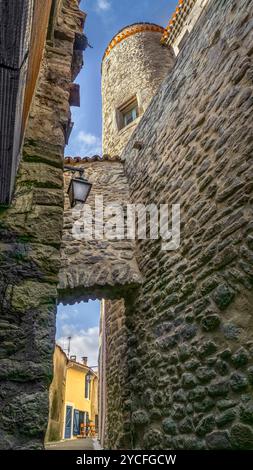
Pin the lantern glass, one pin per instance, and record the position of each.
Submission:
(78, 190)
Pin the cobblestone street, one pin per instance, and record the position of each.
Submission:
(75, 444)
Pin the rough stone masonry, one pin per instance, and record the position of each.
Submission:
(190, 327)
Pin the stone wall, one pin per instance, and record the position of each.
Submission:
(150, 62)
(189, 331)
(30, 233)
(96, 267)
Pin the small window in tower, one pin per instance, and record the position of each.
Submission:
(130, 116)
(128, 113)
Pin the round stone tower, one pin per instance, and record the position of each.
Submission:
(134, 64)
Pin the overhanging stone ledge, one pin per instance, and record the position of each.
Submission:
(68, 296)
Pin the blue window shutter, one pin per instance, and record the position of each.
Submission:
(76, 427)
(68, 422)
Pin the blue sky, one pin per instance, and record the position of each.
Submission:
(104, 19)
(81, 322)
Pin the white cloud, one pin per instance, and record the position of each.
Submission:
(63, 316)
(66, 314)
(88, 139)
(83, 343)
(89, 144)
(103, 5)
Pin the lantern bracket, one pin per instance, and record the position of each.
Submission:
(74, 169)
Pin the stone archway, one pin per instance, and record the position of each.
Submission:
(106, 270)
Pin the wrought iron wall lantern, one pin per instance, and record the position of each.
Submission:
(79, 187)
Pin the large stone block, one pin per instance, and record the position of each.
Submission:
(40, 175)
(32, 294)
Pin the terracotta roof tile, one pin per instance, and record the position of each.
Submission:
(95, 158)
(177, 21)
(129, 31)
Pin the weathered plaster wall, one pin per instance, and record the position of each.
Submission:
(96, 267)
(117, 431)
(94, 399)
(189, 331)
(102, 398)
(150, 62)
(30, 232)
(56, 397)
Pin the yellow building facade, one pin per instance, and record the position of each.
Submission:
(73, 398)
(81, 401)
